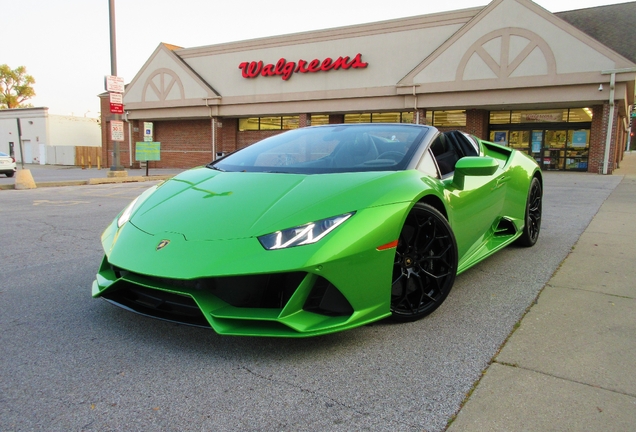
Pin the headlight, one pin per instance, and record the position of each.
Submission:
(302, 235)
(126, 213)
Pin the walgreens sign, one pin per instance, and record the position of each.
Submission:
(285, 69)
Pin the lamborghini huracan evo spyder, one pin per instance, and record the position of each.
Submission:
(320, 229)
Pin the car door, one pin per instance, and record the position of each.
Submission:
(475, 205)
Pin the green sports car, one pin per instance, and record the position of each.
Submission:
(320, 229)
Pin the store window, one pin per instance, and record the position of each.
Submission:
(451, 118)
(383, 117)
(248, 124)
(357, 118)
(271, 123)
(268, 123)
(580, 115)
(319, 119)
(558, 139)
(290, 122)
(572, 115)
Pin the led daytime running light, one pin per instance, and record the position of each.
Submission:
(302, 235)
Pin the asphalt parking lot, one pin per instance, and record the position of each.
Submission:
(70, 362)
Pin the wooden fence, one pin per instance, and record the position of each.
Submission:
(87, 156)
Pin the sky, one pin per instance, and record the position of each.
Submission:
(65, 44)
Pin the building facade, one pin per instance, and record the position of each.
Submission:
(49, 138)
(509, 72)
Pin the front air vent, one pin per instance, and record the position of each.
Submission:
(156, 303)
(251, 291)
(326, 299)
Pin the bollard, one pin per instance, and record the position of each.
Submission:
(99, 163)
(89, 162)
(82, 162)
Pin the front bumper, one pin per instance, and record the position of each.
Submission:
(238, 288)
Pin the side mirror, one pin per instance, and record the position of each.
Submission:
(473, 166)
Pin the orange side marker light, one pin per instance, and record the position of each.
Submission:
(390, 245)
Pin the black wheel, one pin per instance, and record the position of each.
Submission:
(425, 264)
(10, 174)
(533, 215)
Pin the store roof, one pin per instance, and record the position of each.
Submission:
(613, 25)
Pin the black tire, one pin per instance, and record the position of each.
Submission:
(10, 174)
(532, 225)
(425, 264)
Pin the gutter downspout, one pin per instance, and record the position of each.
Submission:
(213, 129)
(417, 113)
(130, 163)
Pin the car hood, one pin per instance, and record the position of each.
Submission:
(203, 204)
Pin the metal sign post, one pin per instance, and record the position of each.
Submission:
(20, 142)
(114, 84)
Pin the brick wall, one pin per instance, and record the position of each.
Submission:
(598, 136)
(184, 143)
(336, 118)
(477, 123)
(188, 143)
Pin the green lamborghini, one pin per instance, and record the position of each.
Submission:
(320, 229)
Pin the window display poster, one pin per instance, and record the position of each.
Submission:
(501, 138)
(537, 137)
(579, 139)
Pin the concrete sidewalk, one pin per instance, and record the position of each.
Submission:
(571, 364)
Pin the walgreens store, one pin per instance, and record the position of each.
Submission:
(510, 72)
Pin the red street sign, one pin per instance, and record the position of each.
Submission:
(116, 108)
(116, 103)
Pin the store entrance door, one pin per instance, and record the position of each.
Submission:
(554, 142)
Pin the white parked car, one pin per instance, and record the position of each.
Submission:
(7, 165)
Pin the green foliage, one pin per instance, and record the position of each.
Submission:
(15, 87)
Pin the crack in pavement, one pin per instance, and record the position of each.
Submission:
(317, 394)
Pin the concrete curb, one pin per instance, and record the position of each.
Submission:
(93, 181)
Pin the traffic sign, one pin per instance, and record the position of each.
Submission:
(116, 108)
(116, 103)
(114, 84)
(117, 130)
(148, 129)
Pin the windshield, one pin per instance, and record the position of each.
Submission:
(327, 149)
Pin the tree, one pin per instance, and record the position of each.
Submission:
(15, 87)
